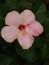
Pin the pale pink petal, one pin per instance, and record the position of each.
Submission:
(34, 29)
(9, 33)
(12, 18)
(26, 41)
(27, 17)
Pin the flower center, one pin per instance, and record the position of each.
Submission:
(23, 31)
(21, 27)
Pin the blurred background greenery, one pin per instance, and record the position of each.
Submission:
(38, 54)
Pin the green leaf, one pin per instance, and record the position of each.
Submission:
(45, 51)
(38, 42)
(11, 4)
(2, 23)
(4, 60)
(46, 26)
(41, 13)
(45, 48)
(35, 5)
(23, 4)
(29, 54)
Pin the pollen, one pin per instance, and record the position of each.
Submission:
(23, 31)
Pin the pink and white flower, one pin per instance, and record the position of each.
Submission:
(22, 27)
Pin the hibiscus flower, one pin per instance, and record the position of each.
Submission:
(22, 27)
